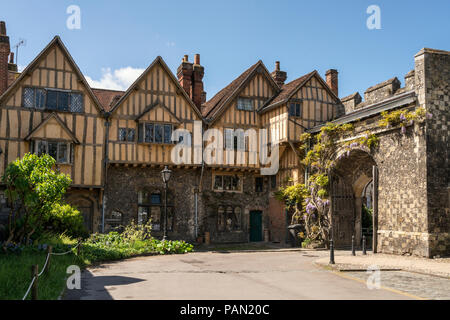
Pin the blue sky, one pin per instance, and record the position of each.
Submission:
(119, 38)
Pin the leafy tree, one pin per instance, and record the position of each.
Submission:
(33, 189)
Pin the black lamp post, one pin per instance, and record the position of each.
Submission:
(165, 174)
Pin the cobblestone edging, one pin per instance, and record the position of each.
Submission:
(435, 267)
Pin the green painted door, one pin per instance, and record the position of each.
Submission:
(256, 226)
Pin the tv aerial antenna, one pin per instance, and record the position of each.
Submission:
(21, 43)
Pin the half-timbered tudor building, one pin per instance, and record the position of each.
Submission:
(114, 144)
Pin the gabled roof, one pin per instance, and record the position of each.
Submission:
(155, 105)
(107, 97)
(59, 121)
(289, 89)
(180, 90)
(212, 108)
(27, 71)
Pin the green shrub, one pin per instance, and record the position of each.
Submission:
(66, 219)
(306, 243)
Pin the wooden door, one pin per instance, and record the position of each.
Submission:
(343, 220)
(256, 226)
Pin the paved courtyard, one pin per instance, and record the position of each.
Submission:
(237, 275)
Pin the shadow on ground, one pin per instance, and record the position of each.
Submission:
(91, 284)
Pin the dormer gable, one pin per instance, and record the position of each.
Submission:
(156, 83)
(241, 86)
(54, 70)
(52, 128)
(158, 112)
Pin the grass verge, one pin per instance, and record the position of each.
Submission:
(15, 267)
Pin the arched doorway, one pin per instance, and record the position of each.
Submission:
(352, 179)
(86, 207)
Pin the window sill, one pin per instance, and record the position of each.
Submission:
(52, 110)
(228, 191)
(156, 144)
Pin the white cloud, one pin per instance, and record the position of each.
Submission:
(119, 79)
(170, 44)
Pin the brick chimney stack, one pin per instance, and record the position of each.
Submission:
(190, 75)
(332, 80)
(184, 74)
(197, 93)
(279, 76)
(12, 66)
(4, 54)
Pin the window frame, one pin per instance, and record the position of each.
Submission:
(149, 205)
(235, 140)
(245, 106)
(141, 136)
(298, 107)
(240, 188)
(58, 91)
(259, 188)
(127, 133)
(224, 214)
(45, 143)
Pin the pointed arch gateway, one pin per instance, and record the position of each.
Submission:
(352, 173)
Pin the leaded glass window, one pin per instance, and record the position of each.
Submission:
(295, 110)
(52, 99)
(155, 133)
(60, 151)
(229, 218)
(76, 102)
(227, 183)
(245, 104)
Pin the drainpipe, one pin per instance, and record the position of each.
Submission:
(197, 190)
(105, 166)
(196, 213)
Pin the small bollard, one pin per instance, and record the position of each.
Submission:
(364, 245)
(331, 252)
(34, 288)
(353, 246)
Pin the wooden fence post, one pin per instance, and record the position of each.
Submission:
(34, 288)
(79, 247)
(49, 253)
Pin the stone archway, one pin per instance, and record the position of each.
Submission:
(351, 175)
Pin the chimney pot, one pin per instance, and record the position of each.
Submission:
(277, 65)
(197, 59)
(2, 28)
(5, 50)
(186, 58)
(278, 76)
(11, 57)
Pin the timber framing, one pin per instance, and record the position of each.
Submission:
(34, 65)
(61, 123)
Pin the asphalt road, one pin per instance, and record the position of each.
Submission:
(223, 276)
